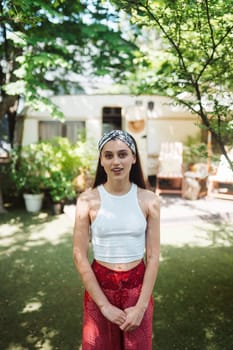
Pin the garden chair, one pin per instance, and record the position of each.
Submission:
(169, 178)
(195, 181)
(221, 184)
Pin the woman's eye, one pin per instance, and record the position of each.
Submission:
(123, 155)
(120, 155)
(108, 156)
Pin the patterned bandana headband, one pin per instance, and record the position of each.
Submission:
(120, 135)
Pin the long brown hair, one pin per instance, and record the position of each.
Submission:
(136, 174)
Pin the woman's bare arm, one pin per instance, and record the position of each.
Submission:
(152, 251)
(135, 314)
(80, 254)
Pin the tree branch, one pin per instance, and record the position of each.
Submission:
(209, 23)
(169, 38)
(215, 45)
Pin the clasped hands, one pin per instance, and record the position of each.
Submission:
(127, 320)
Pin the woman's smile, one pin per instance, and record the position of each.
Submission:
(117, 170)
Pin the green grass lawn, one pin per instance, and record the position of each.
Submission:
(41, 293)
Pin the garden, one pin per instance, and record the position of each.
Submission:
(179, 49)
(55, 171)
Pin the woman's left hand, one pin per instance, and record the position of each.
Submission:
(134, 317)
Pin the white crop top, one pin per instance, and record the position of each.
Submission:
(119, 229)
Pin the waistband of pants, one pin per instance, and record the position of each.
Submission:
(113, 280)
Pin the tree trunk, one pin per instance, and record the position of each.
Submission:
(224, 152)
(2, 209)
(8, 103)
(8, 106)
(217, 138)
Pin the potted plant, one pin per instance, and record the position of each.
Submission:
(62, 165)
(60, 189)
(66, 162)
(27, 173)
(49, 168)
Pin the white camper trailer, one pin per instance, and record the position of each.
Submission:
(150, 119)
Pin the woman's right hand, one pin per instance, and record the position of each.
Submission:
(113, 314)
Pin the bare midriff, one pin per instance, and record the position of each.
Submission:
(120, 266)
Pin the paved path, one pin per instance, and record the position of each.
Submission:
(174, 208)
(186, 222)
(202, 222)
(205, 222)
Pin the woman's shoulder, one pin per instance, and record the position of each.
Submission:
(148, 196)
(88, 195)
(147, 192)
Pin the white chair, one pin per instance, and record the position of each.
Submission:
(221, 184)
(169, 178)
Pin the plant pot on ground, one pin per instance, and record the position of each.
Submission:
(27, 174)
(33, 202)
(60, 189)
(49, 167)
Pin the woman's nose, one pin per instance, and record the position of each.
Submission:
(116, 159)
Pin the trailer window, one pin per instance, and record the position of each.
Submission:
(73, 130)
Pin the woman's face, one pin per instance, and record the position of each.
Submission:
(117, 159)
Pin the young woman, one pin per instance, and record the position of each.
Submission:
(122, 218)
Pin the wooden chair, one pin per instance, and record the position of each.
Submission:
(220, 185)
(195, 181)
(169, 178)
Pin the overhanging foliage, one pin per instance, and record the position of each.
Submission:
(194, 64)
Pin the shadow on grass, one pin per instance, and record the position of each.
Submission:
(193, 293)
(221, 231)
(193, 299)
(41, 294)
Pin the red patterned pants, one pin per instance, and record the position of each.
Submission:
(122, 289)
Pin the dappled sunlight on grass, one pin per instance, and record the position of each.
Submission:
(14, 346)
(32, 306)
(32, 230)
(41, 294)
(193, 299)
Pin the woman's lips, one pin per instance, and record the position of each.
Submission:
(117, 170)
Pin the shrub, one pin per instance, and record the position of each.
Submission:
(49, 166)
